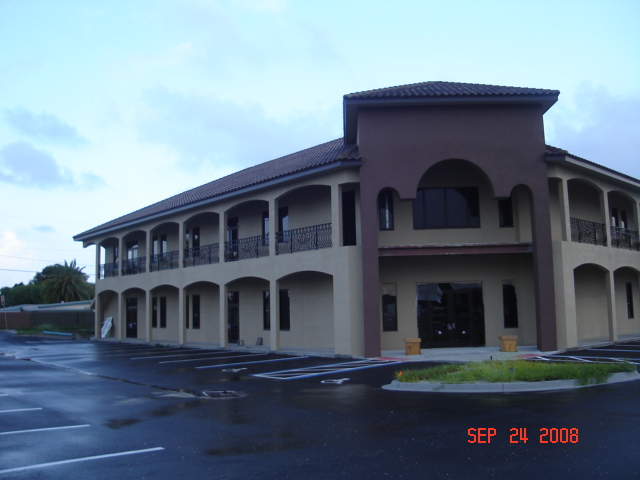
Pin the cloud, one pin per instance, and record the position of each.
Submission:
(204, 129)
(599, 127)
(43, 127)
(44, 229)
(24, 165)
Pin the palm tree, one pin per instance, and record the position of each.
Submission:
(66, 283)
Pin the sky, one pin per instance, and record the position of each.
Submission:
(107, 107)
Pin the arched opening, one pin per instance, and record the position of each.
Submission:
(247, 227)
(134, 305)
(592, 315)
(304, 219)
(623, 214)
(110, 255)
(202, 239)
(108, 308)
(164, 253)
(586, 212)
(134, 257)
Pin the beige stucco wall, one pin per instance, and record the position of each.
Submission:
(308, 206)
(170, 333)
(311, 309)
(209, 331)
(490, 270)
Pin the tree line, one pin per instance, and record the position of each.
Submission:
(54, 284)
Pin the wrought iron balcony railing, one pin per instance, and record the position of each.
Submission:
(584, 231)
(109, 270)
(625, 238)
(134, 266)
(306, 238)
(164, 261)
(251, 247)
(204, 255)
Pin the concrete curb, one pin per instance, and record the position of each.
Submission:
(512, 387)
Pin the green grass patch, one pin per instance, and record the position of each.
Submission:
(516, 371)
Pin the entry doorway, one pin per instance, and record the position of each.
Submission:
(132, 318)
(450, 315)
(233, 316)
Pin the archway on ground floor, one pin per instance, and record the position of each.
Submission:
(306, 310)
(592, 313)
(202, 312)
(133, 308)
(107, 308)
(627, 294)
(165, 318)
(246, 310)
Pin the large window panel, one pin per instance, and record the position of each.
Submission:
(456, 207)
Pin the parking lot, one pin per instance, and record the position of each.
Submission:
(77, 409)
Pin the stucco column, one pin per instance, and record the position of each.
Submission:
(611, 306)
(181, 316)
(567, 330)
(273, 225)
(180, 244)
(97, 261)
(122, 255)
(224, 320)
(149, 250)
(336, 210)
(98, 316)
(604, 204)
(223, 237)
(347, 313)
(543, 270)
(274, 315)
(565, 213)
(148, 307)
(370, 271)
(122, 317)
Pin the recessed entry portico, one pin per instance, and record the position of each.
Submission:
(450, 314)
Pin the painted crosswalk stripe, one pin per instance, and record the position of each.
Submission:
(82, 459)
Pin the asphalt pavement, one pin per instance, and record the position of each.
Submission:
(86, 409)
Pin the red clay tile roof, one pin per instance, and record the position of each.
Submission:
(448, 89)
(333, 152)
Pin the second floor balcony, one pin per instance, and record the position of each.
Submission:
(134, 266)
(301, 239)
(164, 261)
(625, 238)
(243, 248)
(584, 231)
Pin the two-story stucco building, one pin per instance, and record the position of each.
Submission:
(441, 214)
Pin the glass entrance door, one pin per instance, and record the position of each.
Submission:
(450, 315)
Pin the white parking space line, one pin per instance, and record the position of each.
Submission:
(139, 352)
(250, 363)
(4, 394)
(20, 410)
(82, 459)
(179, 355)
(584, 357)
(610, 350)
(216, 358)
(34, 430)
(306, 372)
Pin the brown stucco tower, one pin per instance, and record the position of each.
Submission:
(402, 132)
